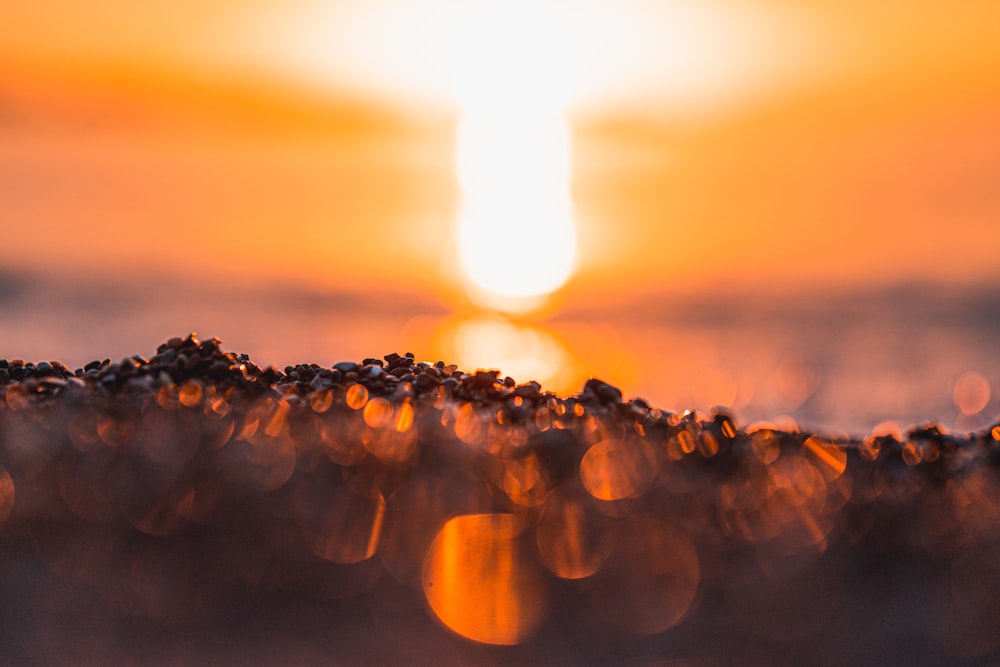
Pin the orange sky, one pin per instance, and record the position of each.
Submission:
(739, 148)
(124, 147)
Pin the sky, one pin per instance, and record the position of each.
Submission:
(720, 141)
(734, 149)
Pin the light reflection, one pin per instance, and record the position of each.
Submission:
(6, 495)
(356, 397)
(523, 351)
(467, 423)
(971, 393)
(378, 412)
(650, 594)
(572, 542)
(523, 482)
(795, 380)
(618, 468)
(389, 444)
(832, 457)
(352, 528)
(417, 511)
(480, 581)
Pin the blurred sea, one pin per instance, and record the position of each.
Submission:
(842, 362)
(838, 363)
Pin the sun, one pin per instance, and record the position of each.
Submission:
(516, 234)
(513, 72)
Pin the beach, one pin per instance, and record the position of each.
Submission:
(194, 507)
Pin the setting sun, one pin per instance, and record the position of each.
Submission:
(513, 73)
(516, 235)
(480, 332)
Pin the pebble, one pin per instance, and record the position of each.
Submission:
(264, 463)
(603, 391)
(184, 359)
(346, 367)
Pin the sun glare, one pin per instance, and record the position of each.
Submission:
(523, 351)
(513, 75)
(511, 69)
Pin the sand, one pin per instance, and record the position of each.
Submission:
(194, 508)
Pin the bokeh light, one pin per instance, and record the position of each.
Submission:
(695, 303)
(480, 583)
(394, 507)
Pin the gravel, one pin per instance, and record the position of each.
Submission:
(195, 507)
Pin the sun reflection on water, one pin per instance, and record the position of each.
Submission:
(522, 351)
